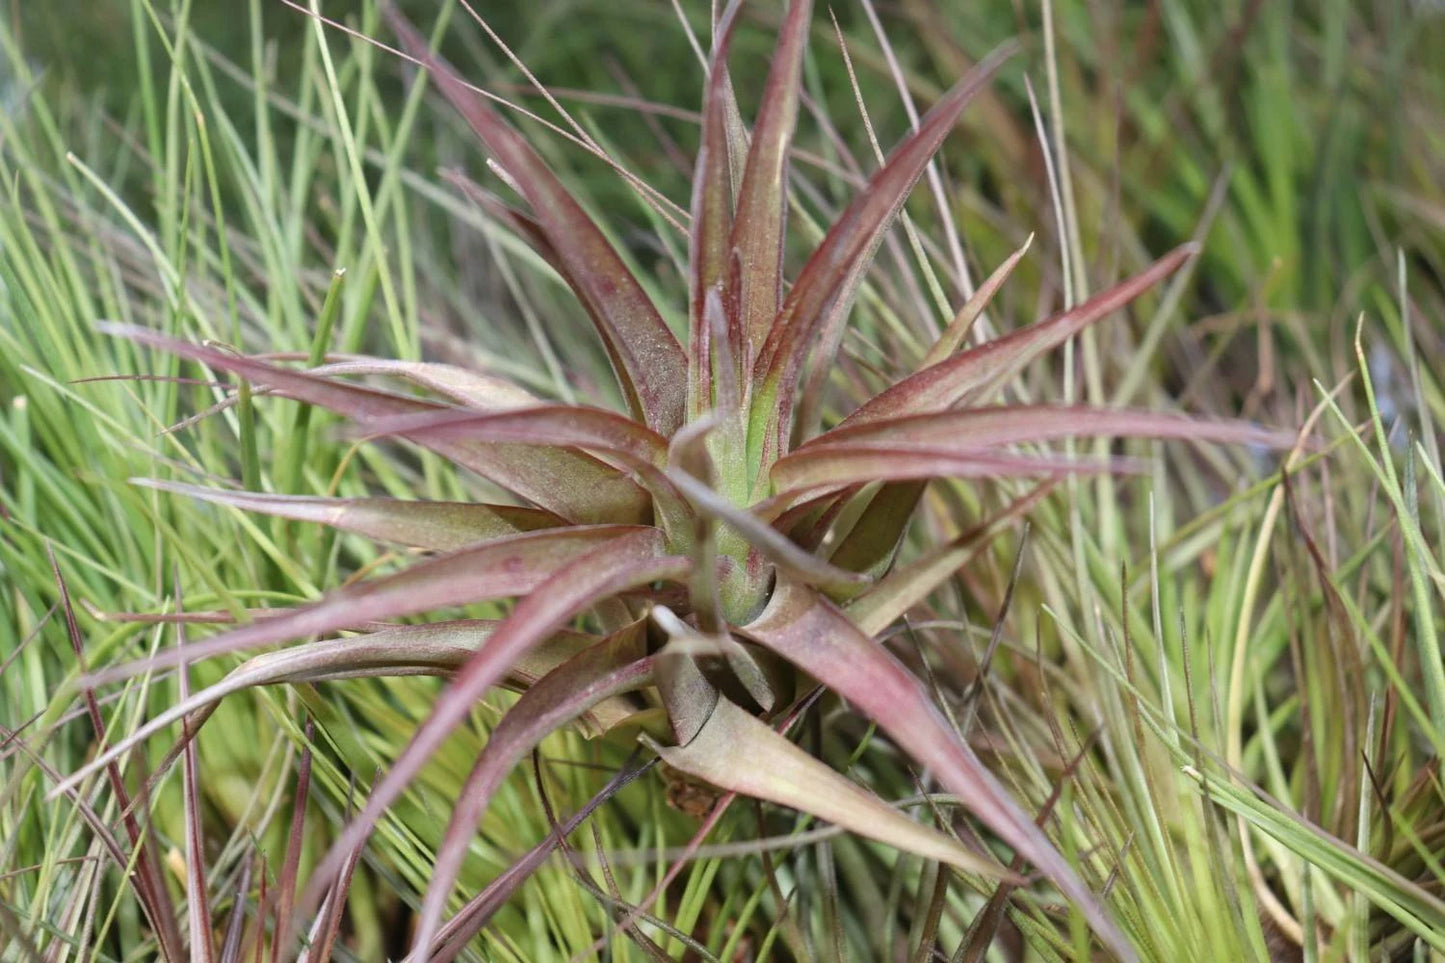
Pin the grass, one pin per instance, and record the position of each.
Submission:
(1229, 675)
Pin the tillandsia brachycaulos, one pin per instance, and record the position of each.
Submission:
(692, 567)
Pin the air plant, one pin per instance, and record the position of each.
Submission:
(688, 570)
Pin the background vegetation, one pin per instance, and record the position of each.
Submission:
(1230, 675)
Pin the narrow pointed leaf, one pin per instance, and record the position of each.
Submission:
(647, 358)
(822, 641)
(556, 425)
(462, 928)
(621, 564)
(973, 308)
(437, 648)
(976, 428)
(498, 569)
(471, 388)
(824, 289)
(610, 668)
(439, 526)
(568, 483)
(524, 225)
(974, 372)
(870, 544)
(737, 752)
(710, 238)
(763, 199)
(836, 466)
(884, 602)
(198, 906)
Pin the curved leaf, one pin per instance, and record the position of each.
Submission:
(737, 752)
(972, 373)
(647, 358)
(558, 425)
(471, 388)
(710, 236)
(501, 568)
(568, 483)
(437, 648)
(617, 566)
(824, 290)
(610, 668)
(977, 428)
(811, 633)
(836, 466)
(439, 526)
(757, 233)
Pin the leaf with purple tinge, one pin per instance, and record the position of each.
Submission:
(621, 564)
(461, 385)
(710, 233)
(762, 209)
(837, 466)
(736, 751)
(198, 906)
(502, 568)
(438, 648)
(437, 526)
(554, 425)
(826, 285)
(568, 483)
(650, 364)
(977, 428)
(610, 668)
(972, 373)
(810, 632)
(460, 930)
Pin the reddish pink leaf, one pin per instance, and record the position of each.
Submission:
(556, 425)
(757, 233)
(710, 240)
(824, 289)
(970, 374)
(622, 564)
(609, 668)
(815, 636)
(647, 358)
(440, 526)
(836, 466)
(976, 428)
(498, 569)
(567, 483)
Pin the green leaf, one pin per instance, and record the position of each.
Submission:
(737, 752)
